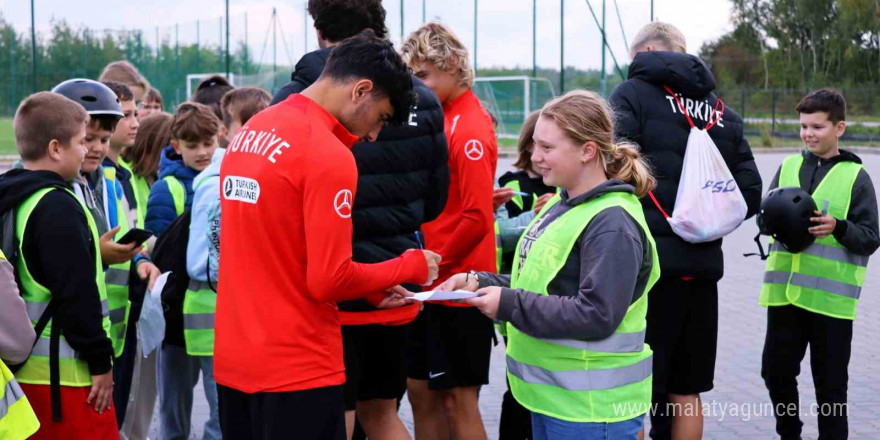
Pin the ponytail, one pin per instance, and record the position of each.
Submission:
(623, 162)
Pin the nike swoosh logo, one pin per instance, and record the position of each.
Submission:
(433, 376)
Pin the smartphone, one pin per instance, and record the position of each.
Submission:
(135, 235)
(825, 208)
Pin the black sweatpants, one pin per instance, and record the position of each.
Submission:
(789, 330)
(516, 421)
(315, 414)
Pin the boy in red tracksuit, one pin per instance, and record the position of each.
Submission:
(452, 342)
(287, 186)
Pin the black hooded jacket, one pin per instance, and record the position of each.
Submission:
(648, 115)
(403, 177)
(59, 251)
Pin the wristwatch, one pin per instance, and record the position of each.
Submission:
(474, 274)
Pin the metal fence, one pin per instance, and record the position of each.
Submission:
(772, 112)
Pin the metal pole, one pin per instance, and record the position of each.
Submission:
(476, 21)
(247, 52)
(424, 13)
(652, 10)
(534, 38)
(198, 47)
(83, 53)
(401, 21)
(603, 81)
(227, 38)
(12, 73)
(33, 51)
(176, 62)
(274, 48)
(305, 29)
(772, 111)
(220, 48)
(156, 73)
(561, 46)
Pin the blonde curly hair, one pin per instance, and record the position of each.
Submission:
(436, 44)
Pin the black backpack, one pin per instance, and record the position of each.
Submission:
(169, 255)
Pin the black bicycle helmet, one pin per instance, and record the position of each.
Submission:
(95, 97)
(785, 215)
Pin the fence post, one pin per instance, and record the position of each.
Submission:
(198, 47)
(742, 101)
(12, 72)
(176, 64)
(156, 73)
(83, 53)
(772, 112)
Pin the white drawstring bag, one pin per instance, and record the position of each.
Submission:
(708, 204)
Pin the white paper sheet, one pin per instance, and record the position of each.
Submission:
(444, 295)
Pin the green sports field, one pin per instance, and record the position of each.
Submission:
(7, 138)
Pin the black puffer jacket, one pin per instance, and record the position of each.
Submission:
(403, 177)
(648, 115)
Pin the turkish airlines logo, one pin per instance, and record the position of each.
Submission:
(241, 189)
(473, 149)
(342, 203)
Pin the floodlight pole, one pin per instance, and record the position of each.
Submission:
(424, 11)
(476, 3)
(652, 10)
(534, 38)
(305, 28)
(603, 81)
(227, 39)
(33, 51)
(401, 21)
(561, 46)
(198, 48)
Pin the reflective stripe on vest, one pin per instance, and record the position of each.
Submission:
(616, 343)
(811, 282)
(577, 380)
(199, 304)
(824, 278)
(17, 418)
(116, 276)
(72, 370)
(828, 253)
(35, 310)
(12, 393)
(582, 380)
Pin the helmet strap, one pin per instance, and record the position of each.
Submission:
(760, 249)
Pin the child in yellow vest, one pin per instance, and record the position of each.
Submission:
(812, 295)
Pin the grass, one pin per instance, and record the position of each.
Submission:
(7, 137)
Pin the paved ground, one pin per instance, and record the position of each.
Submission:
(739, 396)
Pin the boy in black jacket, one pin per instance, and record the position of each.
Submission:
(683, 305)
(60, 273)
(811, 296)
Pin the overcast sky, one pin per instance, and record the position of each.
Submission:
(504, 28)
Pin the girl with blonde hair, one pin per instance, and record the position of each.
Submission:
(576, 300)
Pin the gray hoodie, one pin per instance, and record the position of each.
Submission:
(16, 332)
(606, 271)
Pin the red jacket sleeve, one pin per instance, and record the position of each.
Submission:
(470, 155)
(328, 194)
